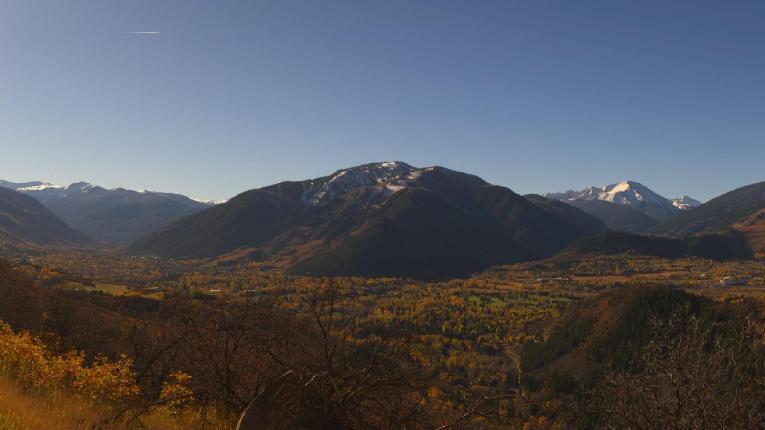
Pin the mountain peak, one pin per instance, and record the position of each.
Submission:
(81, 187)
(632, 193)
(387, 176)
(626, 185)
(628, 193)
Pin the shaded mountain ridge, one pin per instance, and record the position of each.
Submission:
(741, 210)
(379, 219)
(113, 216)
(24, 219)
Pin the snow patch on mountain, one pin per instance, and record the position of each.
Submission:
(40, 187)
(210, 202)
(389, 176)
(685, 203)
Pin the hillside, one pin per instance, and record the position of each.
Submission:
(593, 332)
(715, 246)
(615, 216)
(114, 216)
(378, 219)
(658, 349)
(753, 228)
(740, 209)
(579, 220)
(22, 218)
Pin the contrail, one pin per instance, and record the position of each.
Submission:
(144, 32)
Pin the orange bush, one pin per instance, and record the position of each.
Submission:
(28, 362)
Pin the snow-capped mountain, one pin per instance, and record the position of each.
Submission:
(115, 216)
(632, 194)
(625, 193)
(379, 219)
(685, 203)
(45, 191)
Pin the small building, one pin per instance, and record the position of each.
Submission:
(730, 281)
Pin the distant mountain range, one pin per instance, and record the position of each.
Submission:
(380, 219)
(111, 216)
(386, 219)
(632, 207)
(627, 205)
(24, 219)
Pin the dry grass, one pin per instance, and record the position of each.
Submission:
(55, 411)
(19, 411)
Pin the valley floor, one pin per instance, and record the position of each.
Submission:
(466, 337)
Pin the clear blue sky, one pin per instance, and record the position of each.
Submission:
(534, 95)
